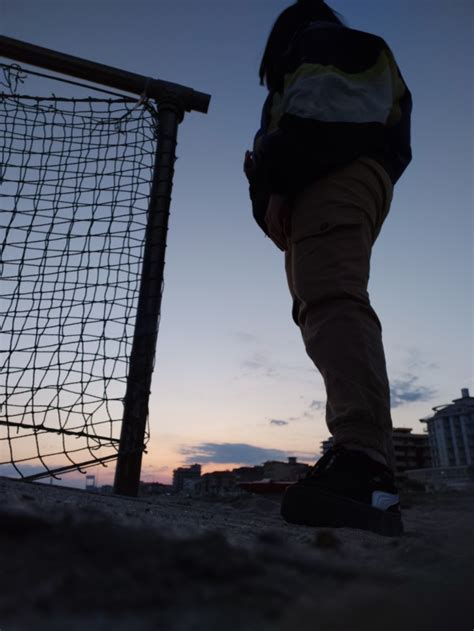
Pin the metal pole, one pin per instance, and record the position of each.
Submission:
(127, 473)
(100, 73)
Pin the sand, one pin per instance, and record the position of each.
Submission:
(77, 560)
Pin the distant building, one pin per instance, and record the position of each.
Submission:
(182, 475)
(154, 488)
(91, 484)
(190, 484)
(290, 471)
(443, 478)
(451, 432)
(232, 482)
(107, 489)
(412, 451)
(216, 483)
(326, 445)
(451, 441)
(248, 474)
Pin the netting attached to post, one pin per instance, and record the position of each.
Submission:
(75, 179)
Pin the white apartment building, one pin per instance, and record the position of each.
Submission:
(451, 432)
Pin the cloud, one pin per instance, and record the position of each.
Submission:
(154, 469)
(405, 390)
(221, 453)
(9, 471)
(261, 361)
(275, 421)
(258, 362)
(318, 405)
(314, 406)
(246, 338)
(415, 362)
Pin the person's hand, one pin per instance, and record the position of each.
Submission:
(249, 166)
(278, 220)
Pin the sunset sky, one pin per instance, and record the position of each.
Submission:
(232, 384)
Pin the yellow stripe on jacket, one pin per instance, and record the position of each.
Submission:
(327, 94)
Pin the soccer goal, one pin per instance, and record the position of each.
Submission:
(86, 173)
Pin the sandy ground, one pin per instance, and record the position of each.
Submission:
(76, 560)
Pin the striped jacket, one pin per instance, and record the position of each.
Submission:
(341, 96)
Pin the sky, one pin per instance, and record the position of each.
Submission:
(232, 384)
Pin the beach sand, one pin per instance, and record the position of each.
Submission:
(71, 559)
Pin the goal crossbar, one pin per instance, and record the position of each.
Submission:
(92, 71)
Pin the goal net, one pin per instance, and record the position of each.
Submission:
(75, 173)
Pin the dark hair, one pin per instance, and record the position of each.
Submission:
(293, 18)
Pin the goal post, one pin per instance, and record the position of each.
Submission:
(124, 165)
(128, 468)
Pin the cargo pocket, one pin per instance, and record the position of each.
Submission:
(315, 223)
(330, 255)
(278, 221)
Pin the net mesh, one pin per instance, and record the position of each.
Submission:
(75, 179)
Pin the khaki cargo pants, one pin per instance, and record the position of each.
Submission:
(334, 225)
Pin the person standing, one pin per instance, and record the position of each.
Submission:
(333, 141)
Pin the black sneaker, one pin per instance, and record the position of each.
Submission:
(345, 488)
